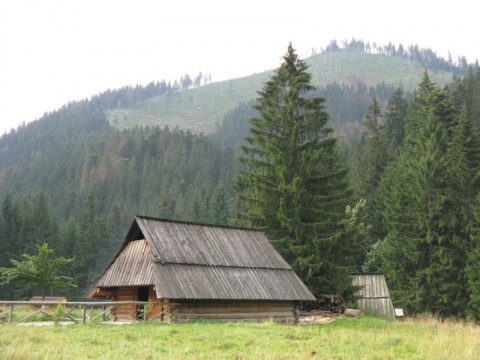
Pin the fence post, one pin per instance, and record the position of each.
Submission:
(84, 313)
(10, 313)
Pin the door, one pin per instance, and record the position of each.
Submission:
(142, 295)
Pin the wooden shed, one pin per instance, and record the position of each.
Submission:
(373, 295)
(208, 272)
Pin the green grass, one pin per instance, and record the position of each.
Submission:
(200, 109)
(345, 338)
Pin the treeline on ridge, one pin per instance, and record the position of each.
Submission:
(424, 56)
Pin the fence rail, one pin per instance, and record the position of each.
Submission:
(80, 312)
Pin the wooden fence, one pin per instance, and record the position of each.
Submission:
(80, 312)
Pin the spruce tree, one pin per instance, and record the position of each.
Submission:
(464, 162)
(220, 206)
(293, 184)
(372, 159)
(395, 120)
(472, 265)
(10, 223)
(420, 253)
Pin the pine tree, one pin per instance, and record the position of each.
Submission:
(473, 264)
(9, 229)
(85, 250)
(372, 159)
(395, 120)
(464, 161)
(220, 206)
(420, 253)
(10, 223)
(44, 230)
(294, 185)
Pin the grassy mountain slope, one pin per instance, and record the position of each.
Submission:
(199, 109)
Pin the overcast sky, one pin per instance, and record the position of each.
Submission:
(55, 51)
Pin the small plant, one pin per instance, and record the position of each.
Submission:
(58, 315)
(149, 306)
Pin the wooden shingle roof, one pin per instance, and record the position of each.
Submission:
(199, 261)
(373, 295)
(187, 243)
(131, 267)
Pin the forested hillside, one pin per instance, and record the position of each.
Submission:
(343, 102)
(77, 176)
(352, 63)
(74, 181)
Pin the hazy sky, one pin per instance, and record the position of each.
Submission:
(52, 52)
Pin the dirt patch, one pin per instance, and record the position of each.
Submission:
(46, 323)
(316, 319)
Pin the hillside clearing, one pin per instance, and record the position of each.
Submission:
(200, 109)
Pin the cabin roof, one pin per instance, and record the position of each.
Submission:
(200, 261)
(373, 295)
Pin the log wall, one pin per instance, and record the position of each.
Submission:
(159, 312)
(225, 311)
(187, 310)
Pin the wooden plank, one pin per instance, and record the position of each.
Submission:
(237, 315)
(236, 311)
(125, 312)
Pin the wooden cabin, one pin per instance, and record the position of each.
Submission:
(373, 296)
(200, 271)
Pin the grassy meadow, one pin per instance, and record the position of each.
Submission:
(345, 338)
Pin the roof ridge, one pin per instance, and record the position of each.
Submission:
(223, 265)
(176, 221)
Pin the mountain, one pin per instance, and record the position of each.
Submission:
(200, 109)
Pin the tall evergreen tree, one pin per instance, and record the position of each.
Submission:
(472, 265)
(371, 160)
(10, 223)
(420, 252)
(294, 185)
(464, 161)
(220, 206)
(395, 120)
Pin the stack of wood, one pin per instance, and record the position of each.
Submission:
(327, 306)
(333, 304)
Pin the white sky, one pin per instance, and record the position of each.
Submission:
(56, 51)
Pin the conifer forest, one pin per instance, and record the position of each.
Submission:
(347, 176)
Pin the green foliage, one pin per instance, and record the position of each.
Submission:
(40, 271)
(82, 197)
(395, 120)
(371, 153)
(346, 105)
(427, 197)
(74, 181)
(294, 185)
(58, 314)
(359, 233)
(471, 269)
